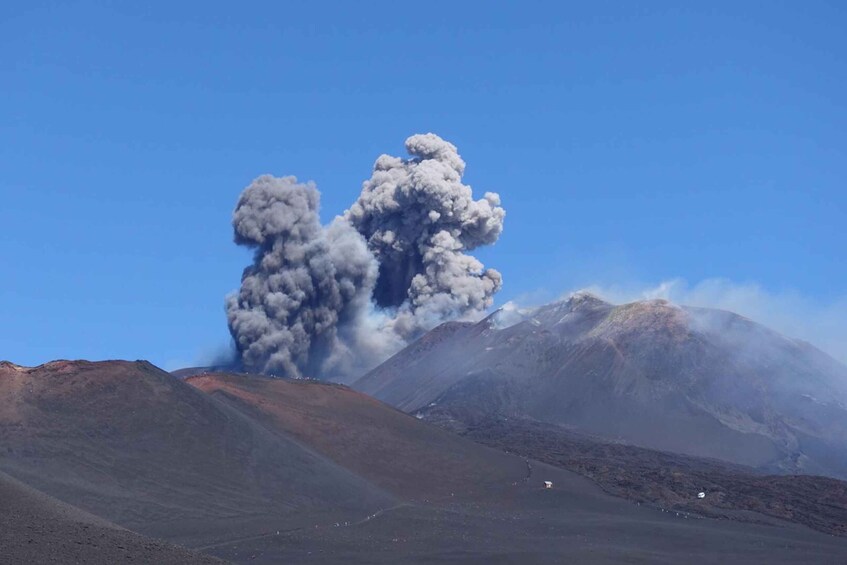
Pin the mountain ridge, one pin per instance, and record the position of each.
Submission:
(698, 381)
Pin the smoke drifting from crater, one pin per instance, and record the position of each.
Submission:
(331, 301)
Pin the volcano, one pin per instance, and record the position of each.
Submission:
(696, 381)
(130, 443)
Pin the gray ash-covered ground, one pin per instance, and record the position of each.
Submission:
(667, 480)
(258, 470)
(36, 528)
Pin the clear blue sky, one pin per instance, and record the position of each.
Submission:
(630, 141)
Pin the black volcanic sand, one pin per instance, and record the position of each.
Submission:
(260, 470)
(667, 480)
(571, 523)
(461, 502)
(35, 528)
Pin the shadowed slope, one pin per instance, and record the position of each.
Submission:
(36, 528)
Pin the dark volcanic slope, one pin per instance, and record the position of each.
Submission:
(36, 528)
(135, 445)
(696, 381)
(462, 502)
(262, 471)
(668, 480)
(368, 437)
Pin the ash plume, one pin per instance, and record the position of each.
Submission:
(419, 219)
(332, 301)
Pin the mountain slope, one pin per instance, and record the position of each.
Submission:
(696, 381)
(129, 442)
(36, 528)
(375, 441)
(462, 502)
(268, 471)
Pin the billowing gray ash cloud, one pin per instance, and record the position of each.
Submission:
(332, 301)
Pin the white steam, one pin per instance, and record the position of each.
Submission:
(823, 324)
